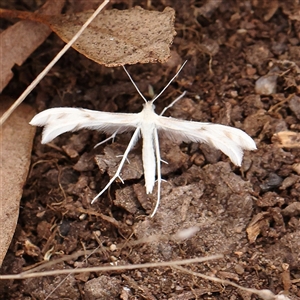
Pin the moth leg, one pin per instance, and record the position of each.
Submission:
(164, 161)
(112, 137)
(158, 172)
(170, 105)
(126, 158)
(117, 174)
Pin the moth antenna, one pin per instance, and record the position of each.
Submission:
(136, 87)
(170, 82)
(170, 105)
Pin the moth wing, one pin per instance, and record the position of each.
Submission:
(231, 141)
(61, 120)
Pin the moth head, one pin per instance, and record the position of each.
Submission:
(149, 105)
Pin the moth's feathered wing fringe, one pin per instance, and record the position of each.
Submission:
(231, 141)
(61, 120)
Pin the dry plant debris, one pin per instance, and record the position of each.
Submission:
(287, 139)
(43, 73)
(15, 155)
(116, 37)
(26, 33)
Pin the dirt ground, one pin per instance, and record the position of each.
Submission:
(242, 71)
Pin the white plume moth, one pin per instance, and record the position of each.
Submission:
(231, 141)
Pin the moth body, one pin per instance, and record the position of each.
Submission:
(148, 130)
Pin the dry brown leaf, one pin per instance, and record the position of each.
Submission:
(20, 40)
(116, 37)
(287, 139)
(120, 37)
(16, 138)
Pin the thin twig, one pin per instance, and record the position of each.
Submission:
(264, 294)
(112, 268)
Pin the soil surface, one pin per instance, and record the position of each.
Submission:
(242, 71)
